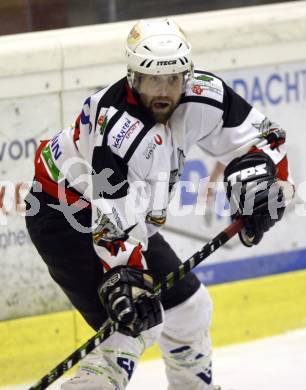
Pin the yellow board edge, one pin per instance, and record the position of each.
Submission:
(243, 311)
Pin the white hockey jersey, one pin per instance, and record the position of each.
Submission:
(126, 166)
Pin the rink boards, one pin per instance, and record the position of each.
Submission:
(243, 310)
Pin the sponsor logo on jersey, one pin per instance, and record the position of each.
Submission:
(158, 139)
(102, 122)
(156, 218)
(204, 77)
(118, 138)
(126, 131)
(132, 129)
(149, 150)
(207, 83)
(106, 234)
(101, 119)
(49, 163)
(152, 146)
(106, 231)
(197, 89)
(55, 147)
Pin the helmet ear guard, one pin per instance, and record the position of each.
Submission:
(157, 48)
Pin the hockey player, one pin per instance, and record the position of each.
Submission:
(106, 184)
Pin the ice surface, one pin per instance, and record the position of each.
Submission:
(275, 363)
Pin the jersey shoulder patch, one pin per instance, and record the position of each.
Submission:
(124, 133)
(206, 85)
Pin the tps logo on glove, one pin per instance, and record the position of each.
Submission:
(247, 173)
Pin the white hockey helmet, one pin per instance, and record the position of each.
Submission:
(157, 48)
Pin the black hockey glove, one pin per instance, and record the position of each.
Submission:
(128, 297)
(254, 194)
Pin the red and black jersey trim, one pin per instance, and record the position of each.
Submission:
(235, 108)
(105, 186)
(202, 99)
(121, 97)
(282, 171)
(68, 194)
(144, 116)
(114, 96)
(103, 157)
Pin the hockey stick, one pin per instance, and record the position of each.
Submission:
(167, 283)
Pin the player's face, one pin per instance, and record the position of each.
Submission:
(160, 94)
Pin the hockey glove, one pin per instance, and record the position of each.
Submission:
(254, 194)
(128, 296)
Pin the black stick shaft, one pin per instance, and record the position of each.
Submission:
(164, 285)
(75, 357)
(199, 256)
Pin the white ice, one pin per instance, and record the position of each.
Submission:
(275, 363)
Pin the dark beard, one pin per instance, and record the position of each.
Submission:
(161, 118)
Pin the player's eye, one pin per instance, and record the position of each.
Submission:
(173, 79)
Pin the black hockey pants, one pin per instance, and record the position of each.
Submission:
(75, 266)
